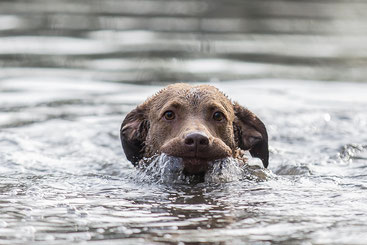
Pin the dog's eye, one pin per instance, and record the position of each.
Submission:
(169, 115)
(218, 116)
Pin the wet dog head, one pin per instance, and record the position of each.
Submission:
(196, 123)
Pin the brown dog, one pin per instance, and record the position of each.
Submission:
(196, 123)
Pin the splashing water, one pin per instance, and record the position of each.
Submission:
(230, 169)
(161, 169)
(168, 169)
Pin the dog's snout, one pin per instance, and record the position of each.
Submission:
(197, 140)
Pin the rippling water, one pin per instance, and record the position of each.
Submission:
(64, 177)
(168, 40)
(65, 180)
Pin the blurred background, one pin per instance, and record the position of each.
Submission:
(158, 41)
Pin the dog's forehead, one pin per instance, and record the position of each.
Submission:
(195, 94)
(192, 95)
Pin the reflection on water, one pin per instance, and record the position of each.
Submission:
(165, 41)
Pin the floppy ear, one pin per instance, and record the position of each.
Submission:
(251, 134)
(133, 132)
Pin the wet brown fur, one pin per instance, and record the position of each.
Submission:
(145, 131)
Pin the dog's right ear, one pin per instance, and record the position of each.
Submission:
(133, 132)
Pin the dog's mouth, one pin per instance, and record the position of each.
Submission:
(194, 165)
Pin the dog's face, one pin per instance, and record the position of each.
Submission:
(196, 123)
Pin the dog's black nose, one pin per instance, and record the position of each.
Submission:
(197, 141)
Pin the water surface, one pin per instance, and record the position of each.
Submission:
(64, 178)
(70, 71)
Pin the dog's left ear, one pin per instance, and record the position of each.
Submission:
(251, 134)
(133, 132)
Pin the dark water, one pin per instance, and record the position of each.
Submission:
(64, 178)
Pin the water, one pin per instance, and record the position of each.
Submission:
(64, 178)
(149, 41)
(71, 70)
